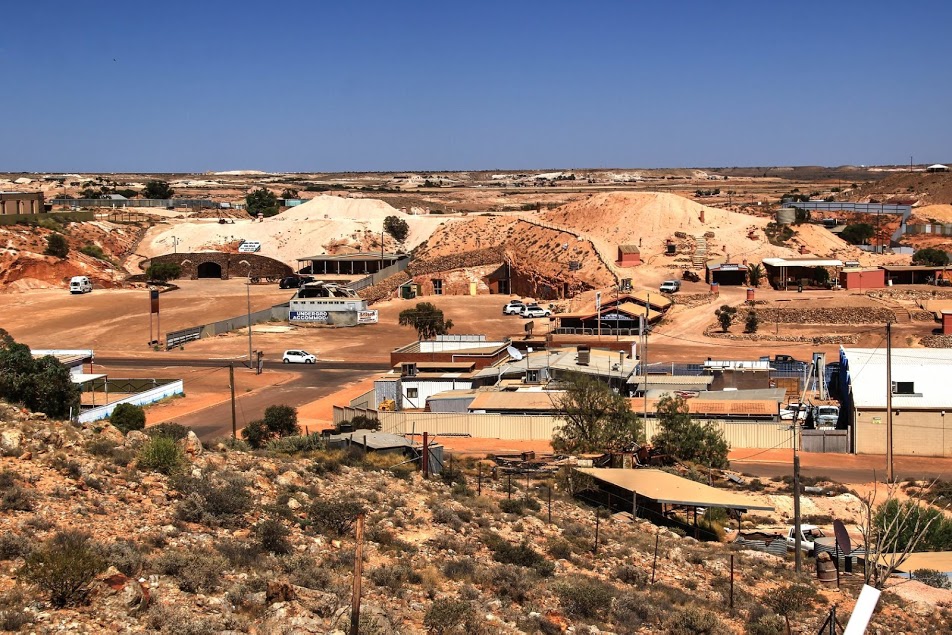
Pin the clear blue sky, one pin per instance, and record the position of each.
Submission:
(320, 86)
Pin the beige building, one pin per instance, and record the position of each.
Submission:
(21, 203)
(921, 400)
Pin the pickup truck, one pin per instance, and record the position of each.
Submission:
(809, 534)
(825, 417)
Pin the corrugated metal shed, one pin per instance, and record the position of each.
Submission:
(927, 368)
(535, 400)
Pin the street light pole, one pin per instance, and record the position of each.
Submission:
(248, 296)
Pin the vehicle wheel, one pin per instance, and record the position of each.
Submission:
(310, 361)
(286, 361)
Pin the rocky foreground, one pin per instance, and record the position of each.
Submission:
(97, 539)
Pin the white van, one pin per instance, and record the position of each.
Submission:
(80, 284)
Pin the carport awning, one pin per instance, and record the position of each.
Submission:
(83, 378)
(937, 560)
(673, 490)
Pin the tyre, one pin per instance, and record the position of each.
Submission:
(309, 361)
(286, 360)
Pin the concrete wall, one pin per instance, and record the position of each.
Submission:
(21, 203)
(915, 432)
(175, 387)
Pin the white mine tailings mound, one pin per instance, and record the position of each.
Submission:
(312, 228)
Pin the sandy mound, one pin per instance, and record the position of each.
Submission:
(939, 213)
(651, 218)
(315, 227)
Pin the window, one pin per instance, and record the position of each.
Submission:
(412, 393)
(437, 286)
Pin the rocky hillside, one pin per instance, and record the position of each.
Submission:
(103, 532)
(96, 249)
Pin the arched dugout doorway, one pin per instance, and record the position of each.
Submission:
(209, 270)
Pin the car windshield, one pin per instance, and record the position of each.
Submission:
(303, 353)
(813, 533)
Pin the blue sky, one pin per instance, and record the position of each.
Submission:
(366, 86)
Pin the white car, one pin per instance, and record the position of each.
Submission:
(298, 357)
(514, 307)
(534, 311)
(670, 286)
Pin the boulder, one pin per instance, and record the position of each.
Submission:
(10, 441)
(290, 478)
(113, 434)
(135, 438)
(192, 445)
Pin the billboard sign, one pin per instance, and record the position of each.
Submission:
(367, 317)
(309, 316)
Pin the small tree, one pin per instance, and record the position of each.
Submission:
(790, 600)
(750, 326)
(821, 275)
(801, 216)
(127, 417)
(157, 189)
(262, 201)
(893, 530)
(278, 421)
(755, 273)
(56, 246)
(858, 233)
(930, 256)
(595, 418)
(289, 193)
(427, 320)
(163, 271)
(725, 315)
(396, 227)
(686, 439)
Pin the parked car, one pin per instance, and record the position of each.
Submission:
(514, 307)
(670, 286)
(298, 357)
(826, 417)
(535, 311)
(294, 282)
(80, 284)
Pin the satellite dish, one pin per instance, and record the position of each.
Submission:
(842, 537)
(514, 353)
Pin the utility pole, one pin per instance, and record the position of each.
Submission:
(889, 413)
(358, 573)
(798, 555)
(231, 382)
(248, 289)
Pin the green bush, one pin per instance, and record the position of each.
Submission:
(163, 271)
(56, 246)
(273, 536)
(13, 615)
(396, 227)
(16, 499)
(445, 616)
(196, 570)
(262, 201)
(933, 578)
(169, 430)
(521, 554)
(94, 251)
(222, 501)
(125, 556)
(127, 417)
(695, 621)
(630, 574)
(64, 567)
(279, 421)
(585, 598)
(13, 545)
(334, 516)
(162, 455)
(394, 577)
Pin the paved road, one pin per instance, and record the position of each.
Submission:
(144, 362)
(850, 468)
(215, 421)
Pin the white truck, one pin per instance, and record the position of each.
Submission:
(809, 534)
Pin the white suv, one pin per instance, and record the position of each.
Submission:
(514, 307)
(298, 357)
(670, 286)
(535, 311)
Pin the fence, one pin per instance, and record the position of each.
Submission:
(279, 312)
(383, 274)
(739, 434)
(834, 441)
(845, 206)
(160, 392)
(135, 202)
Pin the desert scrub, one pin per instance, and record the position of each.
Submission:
(451, 616)
(125, 556)
(692, 620)
(196, 570)
(220, 501)
(334, 516)
(586, 598)
(13, 545)
(394, 577)
(272, 537)
(161, 454)
(64, 567)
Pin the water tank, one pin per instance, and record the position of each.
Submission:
(750, 295)
(786, 216)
